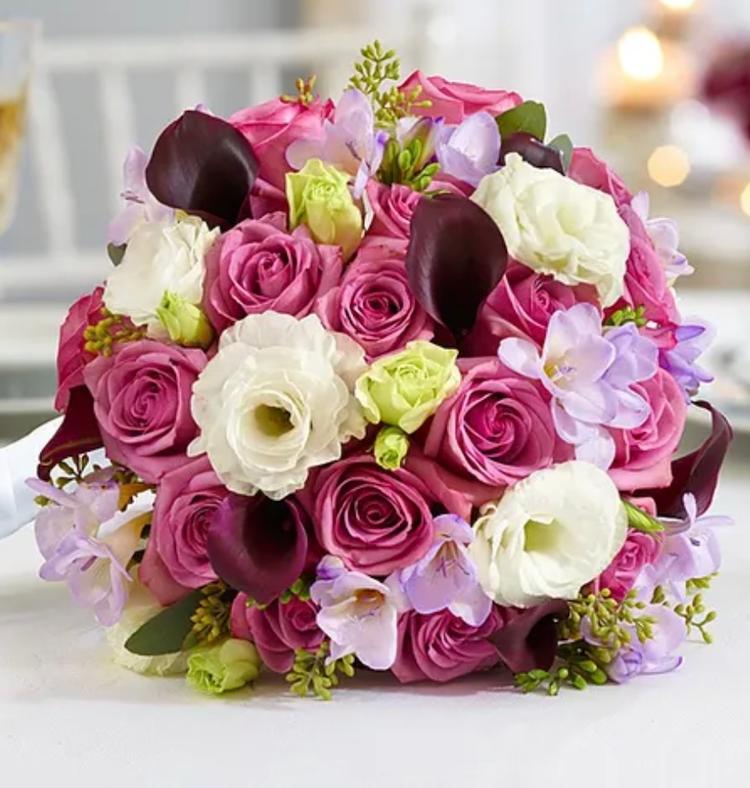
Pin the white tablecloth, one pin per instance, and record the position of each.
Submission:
(69, 717)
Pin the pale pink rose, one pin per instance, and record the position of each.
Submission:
(588, 169)
(374, 304)
(271, 127)
(645, 277)
(453, 101)
(71, 356)
(257, 266)
(643, 455)
(496, 429)
(142, 404)
(521, 305)
(186, 501)
(392, 209)
(277, 630)
(639, 550)
(441, 647)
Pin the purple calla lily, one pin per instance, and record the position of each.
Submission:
(203, 165)
(257, 545)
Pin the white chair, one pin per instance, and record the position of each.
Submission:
(65, 268)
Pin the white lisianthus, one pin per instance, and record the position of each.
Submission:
(557, 226)
(160, 258)
(275, 401)
(549, 535)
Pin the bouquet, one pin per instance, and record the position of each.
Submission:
(393, 383)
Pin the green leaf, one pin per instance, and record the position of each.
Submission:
(116, 253)
(640, 521)
(529, 117)
(168, 630)
(564, 144)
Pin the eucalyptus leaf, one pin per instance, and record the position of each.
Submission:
(640, 521)
(564, 144)
(529, 117)
(167, 631)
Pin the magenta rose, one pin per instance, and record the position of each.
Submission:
(454, 101)
(442, 647)
(645, 277)
(71, 356)
(496, 429)
(643, 455)
(186, 500)
(258, 266)
(521, 305)
(272, 126)
(588, 169)
(277, 630)
(640, 549)
(392, 209)
(142, 404)
(374, 304)
(373, 519)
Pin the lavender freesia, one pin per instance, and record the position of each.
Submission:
(470, 150)
(665, 237)
(69, 533)
(446, 577)
(140, 204)
(680, 361)
(358, 613)
(350, 141)
(589, 374)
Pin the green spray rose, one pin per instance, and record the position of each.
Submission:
(319, 197)
(391, 447)
(404, 389)
(185, 323)
(222, 668)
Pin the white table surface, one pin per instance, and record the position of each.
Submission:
(69, 717)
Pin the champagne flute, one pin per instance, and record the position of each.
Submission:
(17, 40)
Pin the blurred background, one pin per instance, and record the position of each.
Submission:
(660, 87)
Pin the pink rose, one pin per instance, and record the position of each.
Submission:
(186, 500)
(643, 455)
(258, 266)
(645, 277)
(392, 209)
(277, 630)
(71, 356)
(588, 169)
(453, 101)
(142, 404)
(496, 429)
(639, 550)
(271, 127)
(442, 647)
(374, 304)
(373, 519)
(521, 306)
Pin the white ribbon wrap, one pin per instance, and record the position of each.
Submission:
(18, 462)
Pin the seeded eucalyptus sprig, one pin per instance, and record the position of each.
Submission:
(211, 617)
(371, 75)
(577, 668)
(693, 612)
(628, 315)
(311, 674)
(101, 337)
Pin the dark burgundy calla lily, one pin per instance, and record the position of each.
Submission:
(455, 258)
(531, 150)
(529, 638)
(697, 472)
(201, 164)
(257, 545)
(78, 433)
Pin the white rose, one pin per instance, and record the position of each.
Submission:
(275, 401)
(159, 258)
(557, 226)
(549, 535)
